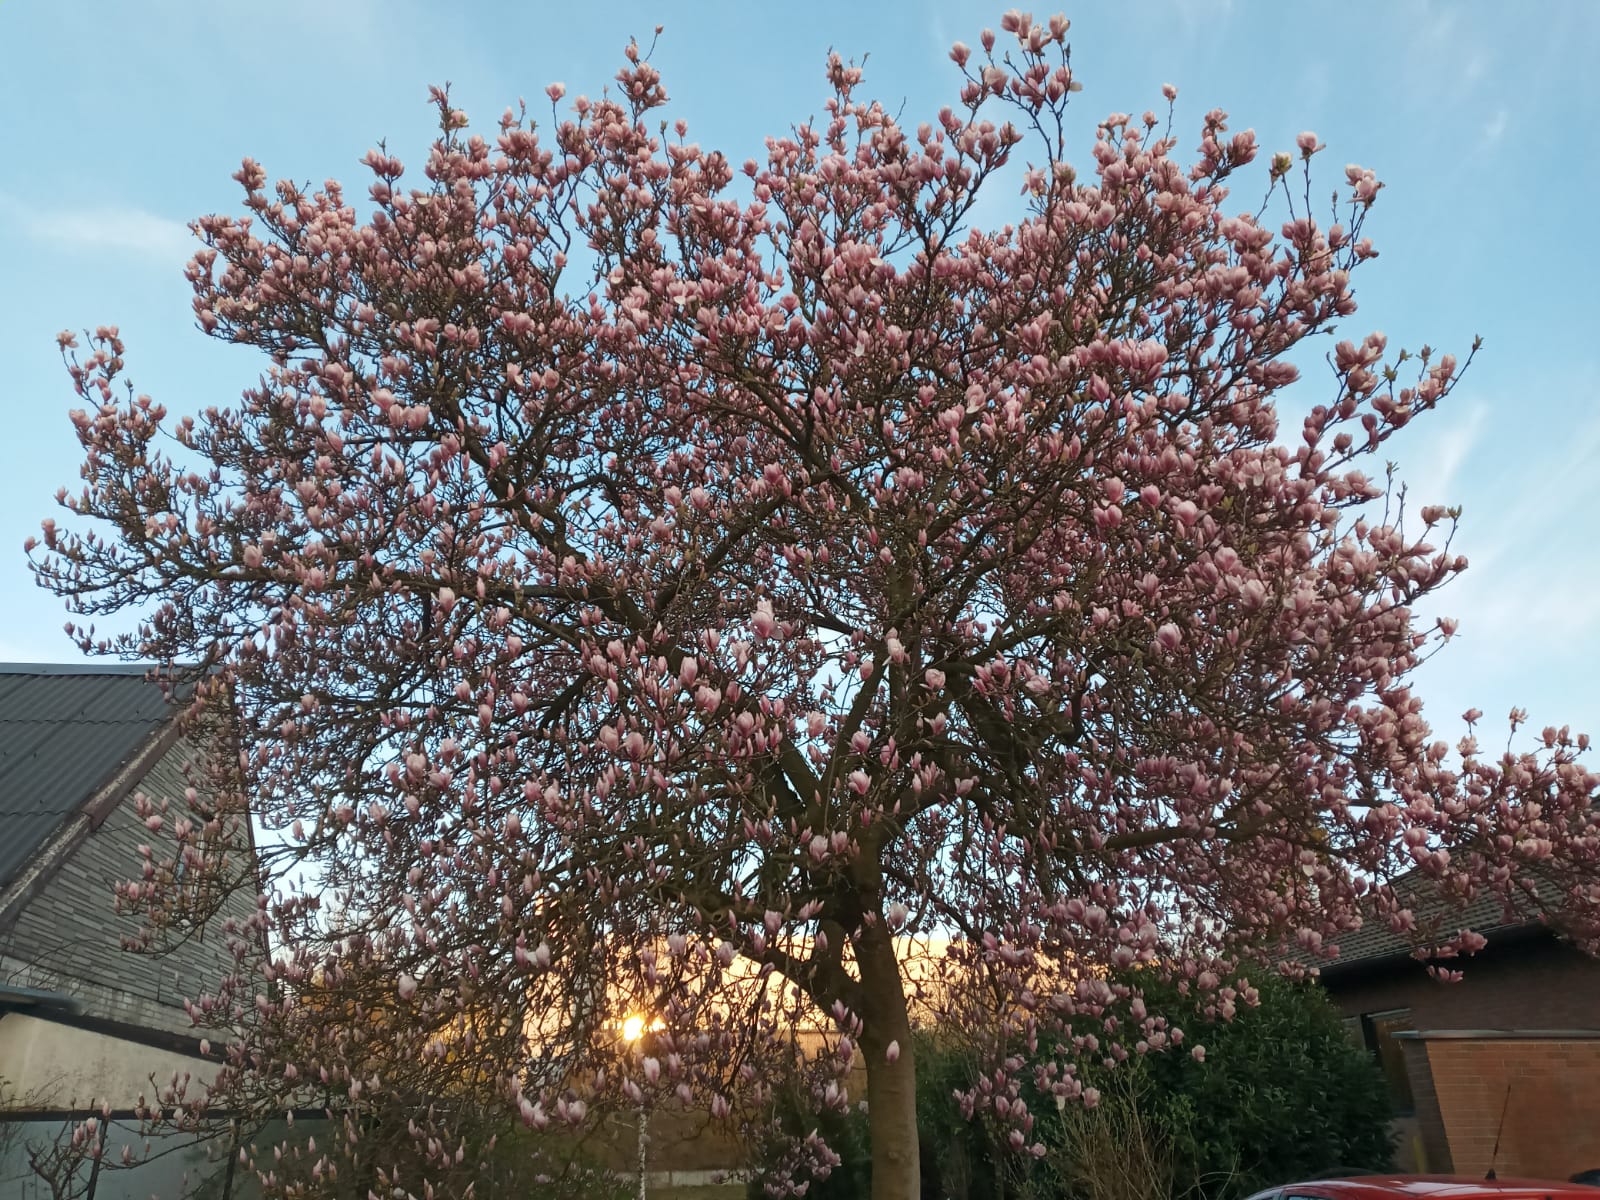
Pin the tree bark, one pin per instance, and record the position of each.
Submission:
(891, 1086)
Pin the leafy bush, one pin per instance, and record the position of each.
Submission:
(1282, 1094)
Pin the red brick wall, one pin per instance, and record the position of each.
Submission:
(1532, 983)
(1552, 1121)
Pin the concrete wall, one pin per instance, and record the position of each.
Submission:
(55, 1066)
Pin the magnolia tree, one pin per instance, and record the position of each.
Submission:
(632, 564)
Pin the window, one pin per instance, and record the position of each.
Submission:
(195, 879)
(1378, 1033)
(188, 872)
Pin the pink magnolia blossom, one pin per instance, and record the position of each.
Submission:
(799, 552)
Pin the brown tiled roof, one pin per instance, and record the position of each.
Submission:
(1375, 941)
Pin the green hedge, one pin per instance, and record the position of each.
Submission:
(1283, 1094)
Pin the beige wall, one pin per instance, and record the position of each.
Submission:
(49, 1065)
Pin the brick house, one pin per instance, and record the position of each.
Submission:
(1509, 1053)
(84, 1022)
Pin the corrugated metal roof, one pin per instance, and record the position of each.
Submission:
(65, 731)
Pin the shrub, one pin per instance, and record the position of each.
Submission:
(1282, 1094)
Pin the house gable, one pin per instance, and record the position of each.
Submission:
(66, 733)
(68, 937)
(112, 735)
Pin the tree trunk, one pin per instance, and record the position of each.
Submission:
(891, 1086)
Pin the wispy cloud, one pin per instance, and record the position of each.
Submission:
(1437, 21)
(1450, 58)
(1195, 17)
(1495, 127)
(1568, 485)
(1433, 481)
(939, 33)
(98, 228)
(1527, 605)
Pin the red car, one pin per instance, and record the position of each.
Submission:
(1427, 1187)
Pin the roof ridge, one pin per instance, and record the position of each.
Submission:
(86, 667)
(77, 720)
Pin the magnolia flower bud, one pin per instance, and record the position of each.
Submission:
(762, 621)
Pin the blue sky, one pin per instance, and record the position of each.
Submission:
(1476, 115)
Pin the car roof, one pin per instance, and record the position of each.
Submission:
(1432, 1187)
